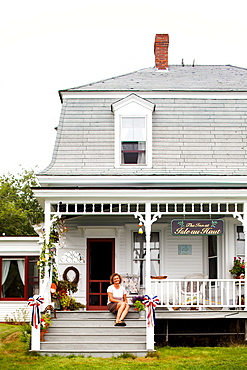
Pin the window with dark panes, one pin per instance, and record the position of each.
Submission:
(19, 277)
(240, 242)
(212, 257)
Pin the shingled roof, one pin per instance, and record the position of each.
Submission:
(177, 78)
(198, 127)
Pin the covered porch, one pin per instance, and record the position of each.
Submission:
(152, 207)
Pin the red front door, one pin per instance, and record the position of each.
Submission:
(100, 266)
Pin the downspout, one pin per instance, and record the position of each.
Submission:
(243, 220)
(245, 268)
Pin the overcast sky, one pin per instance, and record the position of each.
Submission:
(51, 45)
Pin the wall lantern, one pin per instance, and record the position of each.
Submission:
(140, 231)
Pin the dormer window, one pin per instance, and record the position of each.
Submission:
(133, 140)
(133, 131)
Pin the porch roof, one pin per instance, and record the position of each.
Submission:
(141, 181)
(109, 201)
(143, 195)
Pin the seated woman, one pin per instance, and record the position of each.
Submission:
(117, 300)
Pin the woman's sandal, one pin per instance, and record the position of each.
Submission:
(120, 323)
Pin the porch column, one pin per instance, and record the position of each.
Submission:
(45, 283)
(147, 225)
(147, 222)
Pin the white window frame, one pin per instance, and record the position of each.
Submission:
(133, 106)
(125, 141)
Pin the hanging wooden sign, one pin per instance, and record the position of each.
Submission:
(197, 227)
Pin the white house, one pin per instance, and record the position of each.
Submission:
(162, 149)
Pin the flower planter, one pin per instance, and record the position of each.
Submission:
(42, 335)
(142, 315)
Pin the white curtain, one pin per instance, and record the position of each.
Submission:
(141, 155)
(139, 255)
(5, 270)
(6, 265)
(21, 267)
(133, 129)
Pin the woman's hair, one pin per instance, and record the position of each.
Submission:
(113, 275)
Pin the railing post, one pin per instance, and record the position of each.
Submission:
(35, 339)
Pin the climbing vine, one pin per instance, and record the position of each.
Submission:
(48, 251)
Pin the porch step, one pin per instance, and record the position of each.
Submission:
(92, 333)
(75, 315)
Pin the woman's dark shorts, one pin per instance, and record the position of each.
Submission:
(112, 307)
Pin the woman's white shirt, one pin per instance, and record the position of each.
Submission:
(116, 293)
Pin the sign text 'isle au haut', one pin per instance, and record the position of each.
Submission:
(197, 227)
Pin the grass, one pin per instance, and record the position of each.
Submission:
(14, 354)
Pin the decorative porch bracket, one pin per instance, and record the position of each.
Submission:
(147, 222)
(243, 219)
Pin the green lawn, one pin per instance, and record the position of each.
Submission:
(14, 355)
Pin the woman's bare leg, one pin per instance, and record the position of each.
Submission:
(120, 310)
(124, 312)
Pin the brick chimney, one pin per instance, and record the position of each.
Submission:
(161, 51)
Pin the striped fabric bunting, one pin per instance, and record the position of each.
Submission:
(35, 302)
(150, 304)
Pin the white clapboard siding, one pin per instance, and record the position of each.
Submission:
(122, 262)
(14, 310)
(178, 266)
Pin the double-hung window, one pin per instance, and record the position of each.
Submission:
(133, 140)
(133, 131)
(139, 255)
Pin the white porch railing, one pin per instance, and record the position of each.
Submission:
(200, 293)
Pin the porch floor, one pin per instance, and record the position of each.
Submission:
(187, 313)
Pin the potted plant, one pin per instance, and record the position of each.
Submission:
(74, 305)
(65, 301)
(45, 322)
(139, 306)
(238, 268)
(65, 286)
